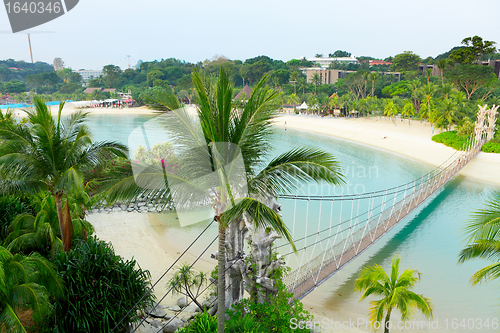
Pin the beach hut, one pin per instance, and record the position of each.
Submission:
(245, 92)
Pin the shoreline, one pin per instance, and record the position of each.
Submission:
(412, 141)
(156, 243)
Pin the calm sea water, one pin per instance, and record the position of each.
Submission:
(429, 239)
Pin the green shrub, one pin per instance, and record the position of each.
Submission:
(101, 289)
(466, 127)
(491, 147)
(201, 323)
(10, 207)
(451, 139)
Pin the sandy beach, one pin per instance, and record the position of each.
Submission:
(412, 141)
(155, 243)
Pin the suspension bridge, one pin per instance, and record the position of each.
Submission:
(334, 230)
(325, 249)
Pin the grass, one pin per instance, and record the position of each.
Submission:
(455, 141)
(451, 139)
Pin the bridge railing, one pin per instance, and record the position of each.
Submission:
(346, 244)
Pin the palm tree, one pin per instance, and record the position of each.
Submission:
(51, 155)
(391, 110)
(302, 84)
(445, 114)
(428, 91)
(40, 233)
(374, 76)
(316, 80)
(294, 76)
(25, 283)
(441, 64)
(408, 111)
(483, 241)
(293, 99)
(395, 290)
(224, 128)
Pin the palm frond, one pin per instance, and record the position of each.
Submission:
(261, 215)
(286, 172)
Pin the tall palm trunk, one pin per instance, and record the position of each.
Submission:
(221, 284)
(387, 321)
(60, 217)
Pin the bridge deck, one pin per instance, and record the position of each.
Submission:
(326, 264)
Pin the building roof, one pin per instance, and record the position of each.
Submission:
(246, 90)
(91, 90)
(110, 89)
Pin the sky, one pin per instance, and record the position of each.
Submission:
(97, 33)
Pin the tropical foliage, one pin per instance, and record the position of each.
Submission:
(101, 289)
(483, 240)
(395, 290)
(50, 154)
(27, 283)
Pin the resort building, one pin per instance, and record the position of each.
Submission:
(330, 76)
(326, 62)
(88, 74)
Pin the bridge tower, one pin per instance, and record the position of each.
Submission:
(490, 131)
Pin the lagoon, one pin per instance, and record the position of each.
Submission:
(428, 240)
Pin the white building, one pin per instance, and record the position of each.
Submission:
(325, 62)
(88, 74)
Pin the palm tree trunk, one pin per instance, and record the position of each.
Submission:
(221, 283)
(60, 217)
(387, 321)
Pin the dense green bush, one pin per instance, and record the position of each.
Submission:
(201, 323)
(451, 139)
(10, 207)
(101, 289)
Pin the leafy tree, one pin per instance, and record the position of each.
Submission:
(25, 284)
(470, 78)
(112, 76)
(50, 154)
(474, 48)
(339, 54)
(395, 290)
(483, 240)
(406, 61)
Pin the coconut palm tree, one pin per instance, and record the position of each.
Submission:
(41, 233)
(25, 283)
(429, 90)
(441, 64)
(374, 76)
(408, 110)
(445, 114)
(316, 80)
(391, 110)
(248, 130)
(483, 238)
(293, 99)
(294, 75)
(50, 154)
(395, 290)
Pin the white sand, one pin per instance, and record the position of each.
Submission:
(143, 237)
(413, 141)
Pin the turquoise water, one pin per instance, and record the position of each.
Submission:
(428, 240)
